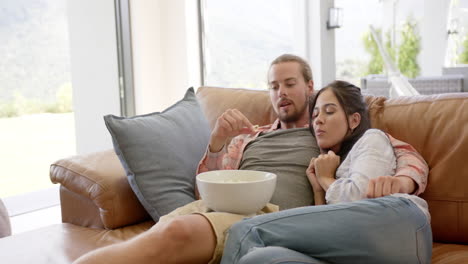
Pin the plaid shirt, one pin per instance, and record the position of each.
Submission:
(409, 162)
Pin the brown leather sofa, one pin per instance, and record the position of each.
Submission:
(99, 208)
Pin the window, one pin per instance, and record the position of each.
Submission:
(36, 118)
(353, 61)
(241, 38)
(457, 46)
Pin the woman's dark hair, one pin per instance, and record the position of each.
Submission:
(351, 100)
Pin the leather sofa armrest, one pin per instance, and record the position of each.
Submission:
(95, 192)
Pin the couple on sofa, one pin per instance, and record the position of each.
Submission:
(323, 152)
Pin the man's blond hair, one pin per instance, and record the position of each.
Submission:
(305, 67)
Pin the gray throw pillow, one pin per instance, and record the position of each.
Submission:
(160, 153)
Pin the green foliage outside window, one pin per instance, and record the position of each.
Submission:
(464, 55)
(388, 46)
(407, 52)
(375, 65)
(21, 105)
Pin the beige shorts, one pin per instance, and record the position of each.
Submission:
(220, 222)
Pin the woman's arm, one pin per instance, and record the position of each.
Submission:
(370, 157)
(319, 198)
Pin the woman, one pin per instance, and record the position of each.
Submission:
(347, 230)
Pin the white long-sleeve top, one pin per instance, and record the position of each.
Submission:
(371, 156)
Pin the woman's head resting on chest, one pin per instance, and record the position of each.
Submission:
(338, 117)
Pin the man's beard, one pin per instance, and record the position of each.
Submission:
(293, 117)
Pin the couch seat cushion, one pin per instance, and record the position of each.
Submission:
(449, 253)
(62, 243)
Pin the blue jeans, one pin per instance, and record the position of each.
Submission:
(383, 230)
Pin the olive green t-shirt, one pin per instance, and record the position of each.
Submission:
(287, 153)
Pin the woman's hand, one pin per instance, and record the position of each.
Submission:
(319, 192)
(325, 168)
(313, 178)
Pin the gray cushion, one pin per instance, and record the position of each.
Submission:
(160, 153)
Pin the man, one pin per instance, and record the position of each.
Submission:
(285, 147)
(290, 85)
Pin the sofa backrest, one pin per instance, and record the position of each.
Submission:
(436, 125)
(254, 104)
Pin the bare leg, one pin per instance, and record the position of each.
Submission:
(185, 239)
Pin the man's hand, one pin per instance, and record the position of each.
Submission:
(387, 185)
(230, 124)
(325, 168)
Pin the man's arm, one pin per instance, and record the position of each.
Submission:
(231, 124)
(410, 164)
(410, 177)
(386, 185)
(223, 160)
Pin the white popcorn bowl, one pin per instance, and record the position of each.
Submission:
(236, 191)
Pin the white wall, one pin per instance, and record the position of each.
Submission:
(433, 37)
(321, 55)
(146, 51)
(93, 50)
(165, 52)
